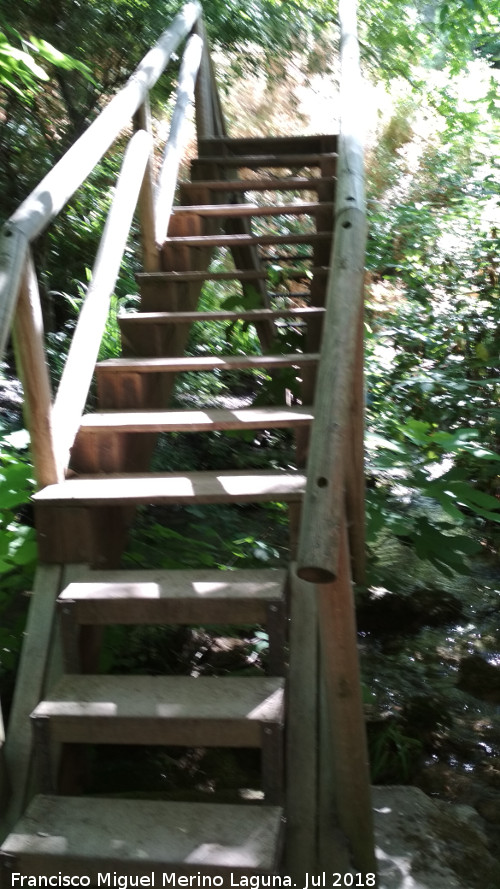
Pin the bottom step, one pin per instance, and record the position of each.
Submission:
(156, 840)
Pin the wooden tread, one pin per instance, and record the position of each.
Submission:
(234, 275)
(270, 144)
(247, 240)
(291, 183)
(196, 420)
(173, 596)
(164, 710)
(191, 487)
(204, 362)
(303, 209)
(92, 836)
(252, 315)
(253, 161)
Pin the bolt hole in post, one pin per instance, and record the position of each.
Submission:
(346, 224)
(322, 482)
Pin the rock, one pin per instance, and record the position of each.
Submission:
(479, 678)
(423, 844)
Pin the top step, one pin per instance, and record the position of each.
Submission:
(270, 144)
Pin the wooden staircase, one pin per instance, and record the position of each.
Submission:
(110, 477)
(267, 216)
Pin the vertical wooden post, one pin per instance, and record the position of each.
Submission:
(302, 732)
(150, 252)
(344, 705)
(354, 464)
(203, 95)
(29, 349)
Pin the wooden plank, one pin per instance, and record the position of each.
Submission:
(146, 318)
(254, 161)
(87, 836)
(172, 597)
(302, 729)
(208, 362)
(298, 209)
(29, 689)
(233, 275)
(248, 240)
(170, 710)
(78, 371)
(196, 421)
(29, 346)
(192, 487)
(270, 144)
(351, 792)
(290, 183)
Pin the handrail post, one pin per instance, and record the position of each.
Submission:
(29, 348)
(167, 179)
(348, 802)
(150, 254)
(205, 128)
(324, 498)
(354, 464)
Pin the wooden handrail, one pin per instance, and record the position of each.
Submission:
(57, 187)
(167, 179)
(78, 371)
(325, 493)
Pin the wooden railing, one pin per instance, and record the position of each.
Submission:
(53, 423)
(332, 542)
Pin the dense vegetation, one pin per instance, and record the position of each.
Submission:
(433, 307)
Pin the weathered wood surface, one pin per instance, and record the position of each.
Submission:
(202, 362)
(262, 183)
(29, 347)
(158, 836)
(77, 375)
(302, 732)
(298, 209)
(324, 501)
(167, 178)
(196, 420)
(351, 793)
(29, 689)
(152, 318)
(150, 253)
(190, 487)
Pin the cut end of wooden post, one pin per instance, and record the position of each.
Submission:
(315, 574)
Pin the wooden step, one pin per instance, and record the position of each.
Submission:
(254, 161)
(291, 183)
(131, 319)
(208, 420)
(204, 363)
(180, 711)
(248, 240)
(270, 144)
(233, 275)
(190, 487)
(141, 838)
(171, 598)
(224, 210)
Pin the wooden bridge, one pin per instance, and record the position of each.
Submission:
(93, 469)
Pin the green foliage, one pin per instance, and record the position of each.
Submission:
(18, 550)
